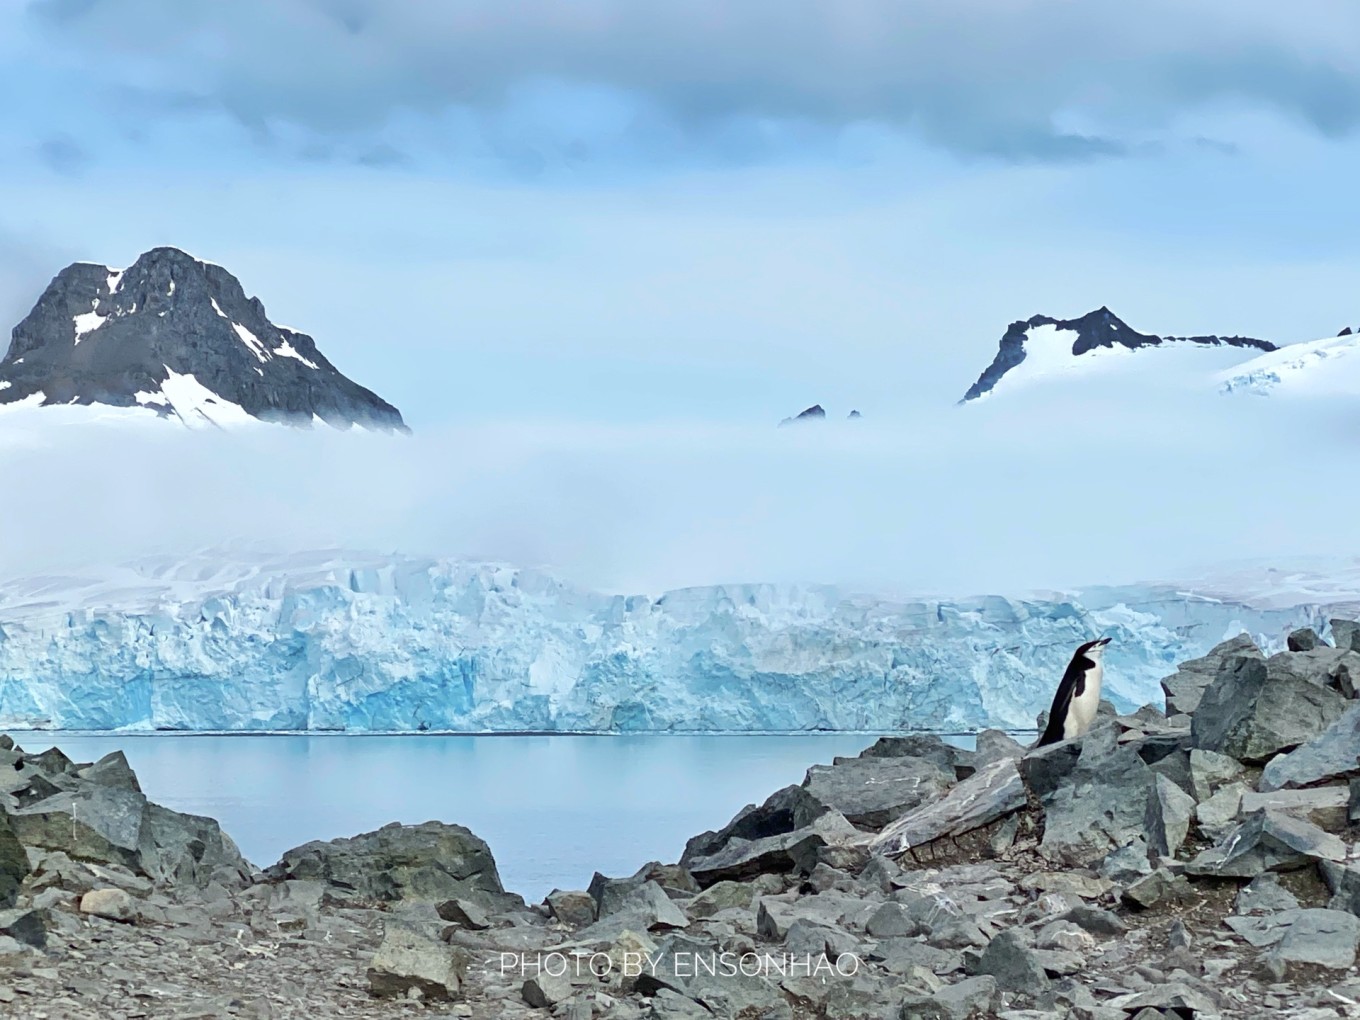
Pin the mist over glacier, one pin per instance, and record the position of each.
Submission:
(1109, 478)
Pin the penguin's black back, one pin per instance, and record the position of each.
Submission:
(1073, 683)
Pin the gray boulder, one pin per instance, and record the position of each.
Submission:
(1094, 794)
(798, 850)
(409, 960)
(1343, 881)
(1249, 716)
(431, 861)
(1334, 753)
(990, 794)
(1185, 687)
(1265, 895)
(572, 906)
(721, 993)
(1345, 634)
(28, 926)
(783, 812)
(1304, 639)
(995, 745)
(1316, 936)
(115, 824)
(14, 864)
(1015, 966)
(1210, 770)
(871, 792)
(971, 997)
(1167, 818)
(1268, 841)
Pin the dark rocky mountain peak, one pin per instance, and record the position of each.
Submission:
(814, 413)
(180, 337)
(1100, 328)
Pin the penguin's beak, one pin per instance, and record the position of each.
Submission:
(1103, 641)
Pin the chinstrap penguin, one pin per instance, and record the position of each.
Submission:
(1078, 698)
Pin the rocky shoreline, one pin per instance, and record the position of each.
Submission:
(1197, 861)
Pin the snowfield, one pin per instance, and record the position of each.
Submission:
(363, 643)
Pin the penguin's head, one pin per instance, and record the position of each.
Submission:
(1094, 649)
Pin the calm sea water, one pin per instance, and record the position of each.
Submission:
(554, 809)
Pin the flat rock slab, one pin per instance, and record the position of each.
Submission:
(991, 793)
(871, 792)
(1268, 841)
(1332, 754)
(1324, 938)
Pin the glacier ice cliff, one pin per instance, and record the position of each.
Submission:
(354, 642)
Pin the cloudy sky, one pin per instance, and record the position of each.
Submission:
(608, 211)
(595, 249)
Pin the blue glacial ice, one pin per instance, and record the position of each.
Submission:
(355, 642)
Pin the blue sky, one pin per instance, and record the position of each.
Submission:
(610, 211)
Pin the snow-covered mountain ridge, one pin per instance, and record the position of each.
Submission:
(341, 641)
(176, 338)
(1042, 347)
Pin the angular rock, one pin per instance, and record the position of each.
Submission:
(1095, 920)
(652, 908)
(1323, 938)
(573, 906)
(871, 792)
(1218, 815)
(1344, 884)
(991, 793)
(1265, 895)
(1167, 819)
(609, 893)
(1249, 716)
(1094, 802)
(1012, 963)
(117, 825)
(1324, 806)
(114, 904)
(1210, 770)
(1304, 639)
(28, 926)
(971, 997)
(783, 812)
(894, 920)
(926, 746)
(112, 770)
(1268, 841)
(1176, 999)
(1345, 634)
(1334, 753)
(431, 861)
(1157, 888)
(408, 958)
(798, 850)
(544, 991)
(1127, 864)
(14, 865)
(722, 896)
(995, 745)
(1186, 686)
(722, 994)
(464, 913)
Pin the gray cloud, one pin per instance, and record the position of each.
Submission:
(992, 77)
(63, 155)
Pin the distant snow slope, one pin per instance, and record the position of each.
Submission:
(1327, 367)
(347, 641)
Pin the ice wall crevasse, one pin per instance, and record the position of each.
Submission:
(347, 641)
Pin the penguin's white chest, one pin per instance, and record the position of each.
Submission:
(1081, 712)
